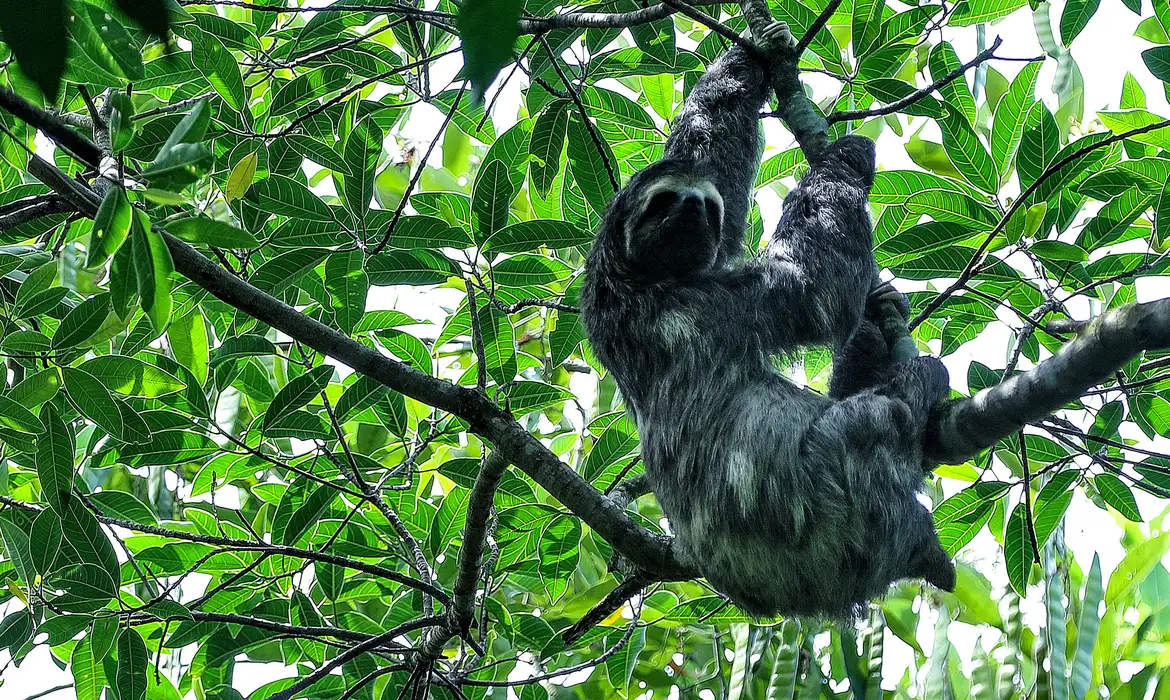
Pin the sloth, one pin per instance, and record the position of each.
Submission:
(787, 501)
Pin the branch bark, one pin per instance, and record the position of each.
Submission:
(962, 428)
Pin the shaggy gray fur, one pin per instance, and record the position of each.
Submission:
(789, 502)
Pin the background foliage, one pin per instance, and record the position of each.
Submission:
(186, 490)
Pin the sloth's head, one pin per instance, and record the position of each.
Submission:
(667, 223)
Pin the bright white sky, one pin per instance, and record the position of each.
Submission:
(1105, 51)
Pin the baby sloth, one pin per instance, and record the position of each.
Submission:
(789, 502)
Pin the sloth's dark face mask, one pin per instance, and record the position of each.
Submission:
(672, 225)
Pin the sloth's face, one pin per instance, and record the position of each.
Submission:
(672, 229)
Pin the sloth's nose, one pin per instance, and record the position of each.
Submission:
(691, 199)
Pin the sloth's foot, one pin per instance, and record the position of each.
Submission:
(776, 35)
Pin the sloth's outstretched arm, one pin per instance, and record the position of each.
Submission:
(718, 130)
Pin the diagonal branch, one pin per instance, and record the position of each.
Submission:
(917, 95)
(962, 428)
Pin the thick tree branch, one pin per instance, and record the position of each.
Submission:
(962, 428)
(50, 125)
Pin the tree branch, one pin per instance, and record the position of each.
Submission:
(917, 95)
(479, 508)
(961, 429)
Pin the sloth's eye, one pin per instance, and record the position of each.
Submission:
(660, 204)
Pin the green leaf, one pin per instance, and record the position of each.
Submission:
(130, 376)
(1117, 495)
(300, 508)
(307, 88)
(220, 68)
(85, 587)
(1053, 250)
(347, 284)
(119, 504)
(178, 166)
(362, 149)
(200, 229)
(954, 208)
(589, 166)
(89, 677)
(153, 265)
(559, 554)
(942, 61)
(362, 394)
(133, 660)
(1007, 126)
(110, 227)
(298, 392)
(15, 630)
(277, 194)
(1157, 60)
(15, 528)
(38, 41)
(406, 347)
(1162, 216)
(54, 460)
(94, 401)
(967, 153)
(530, 235)
(1075, 17)
(920, 240)
(867, 23)
(1018, 549)
(970, 12)
(618, 441)
(449, 519)
(1039, 144)
(959, 518)
(413, 267)
(286, 269)
(1135, 566)
(15, 416)
(546, 145)
(528, 397)
(488, 29)
(190, 128)
(121, 54)
(427, 232)
(490, 198)
(82, 322)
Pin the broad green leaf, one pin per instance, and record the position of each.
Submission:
(277, 194)
(413, 232)
(488, 29)
(187, 340)
(347, 284)
(93, 400)
(867, 16)
(286, 269)
(1117, 495)
(954, 208)
(133, 661)
(959, 518)
(971, 12)
(530, 235)
(591, 162)
(546, 145)
(80, 324)
(414, 267)
(153, 265)
(1039, 144)
(1137, 564)
(1018, 549)
(302, 505)
(220, 68)
(318, 152)
(1007, 125)
(942, 62)
(299, 392)
(200, 229)
(15, 527)
(967, 153)
(54, 460)
(362, 394)
(1075, 17)
(130, 376)
(89, 677)
(15, 416)
(1157, 60)
(490, 198)
(110, 227)
(362, 149)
